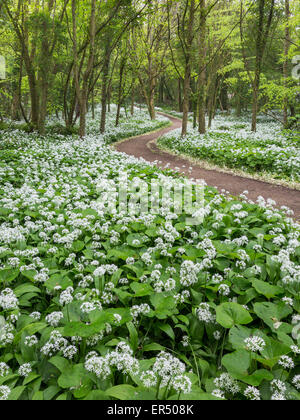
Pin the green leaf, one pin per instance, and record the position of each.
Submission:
(58, 280)
(78, 246)
(121, 392)
(80, 329)
(153, 347)
(237, 363)
(16, 393)
(266, 289)
(136, 240)
(230, 314)
(30, 329)
(168, 330)
(26, 288)
(164, 306)
(72, 376)
(60, 363)
(258, 377)
(272, 313)
(134, 337)
(7, 275)
(38, 396)
(141, 289)
(97, 395)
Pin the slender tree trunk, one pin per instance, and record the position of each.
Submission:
(104, 93)
(43, 105)
(188, 67)
(186, 99)
(132, 101)
(202, 71)
(286, 61)
(180, 108)
(16, 88)
(262, 38)
(120, 90)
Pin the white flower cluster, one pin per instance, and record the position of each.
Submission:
(204, 313)
(4, 392)
(226, 384)
(121, 359)
(255, 344)
(8, 300)
(167, 371)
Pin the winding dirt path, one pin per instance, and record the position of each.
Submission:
(145, 147)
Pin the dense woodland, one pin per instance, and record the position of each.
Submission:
(63, 57)
(149, 201)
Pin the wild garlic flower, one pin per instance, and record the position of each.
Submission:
(224, 290)
(54, 318)
(278, 386)
(288, 301)
(167, 367)
(66, 296)
(204, 314)
(286, 362)
(295, 349)
(227, 384)
(182, 384)
(31, 341)
(55, 344)
(185, 341)
(218, 393)
(252, 393)
(4, 392)
(8, 300)
(97, 365)
(189, 273)
(296, 382)
(149, 379)
(278, 397)
(25, 370)
(35, 315)
(69, 352)
(255, 344)
(4, 369)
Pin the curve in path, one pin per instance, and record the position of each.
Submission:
(145, 147)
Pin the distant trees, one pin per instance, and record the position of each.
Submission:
(65, 56)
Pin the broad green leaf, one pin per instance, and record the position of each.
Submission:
(121, 392)
(237, 363)
(72, 377)
(272, 313)
(266, 289)
(230, 314)
(7, 275)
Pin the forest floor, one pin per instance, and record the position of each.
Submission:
(145, 147)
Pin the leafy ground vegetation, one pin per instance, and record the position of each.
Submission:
(110, 306)
(230, 143)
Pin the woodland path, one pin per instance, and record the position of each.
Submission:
(145, 147)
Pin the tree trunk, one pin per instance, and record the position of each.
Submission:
(180, 108)
(286, 61)
(261, 40)
(120, 89)
(104, 93)
(132, 101)
(202, 72)
(188, 66)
